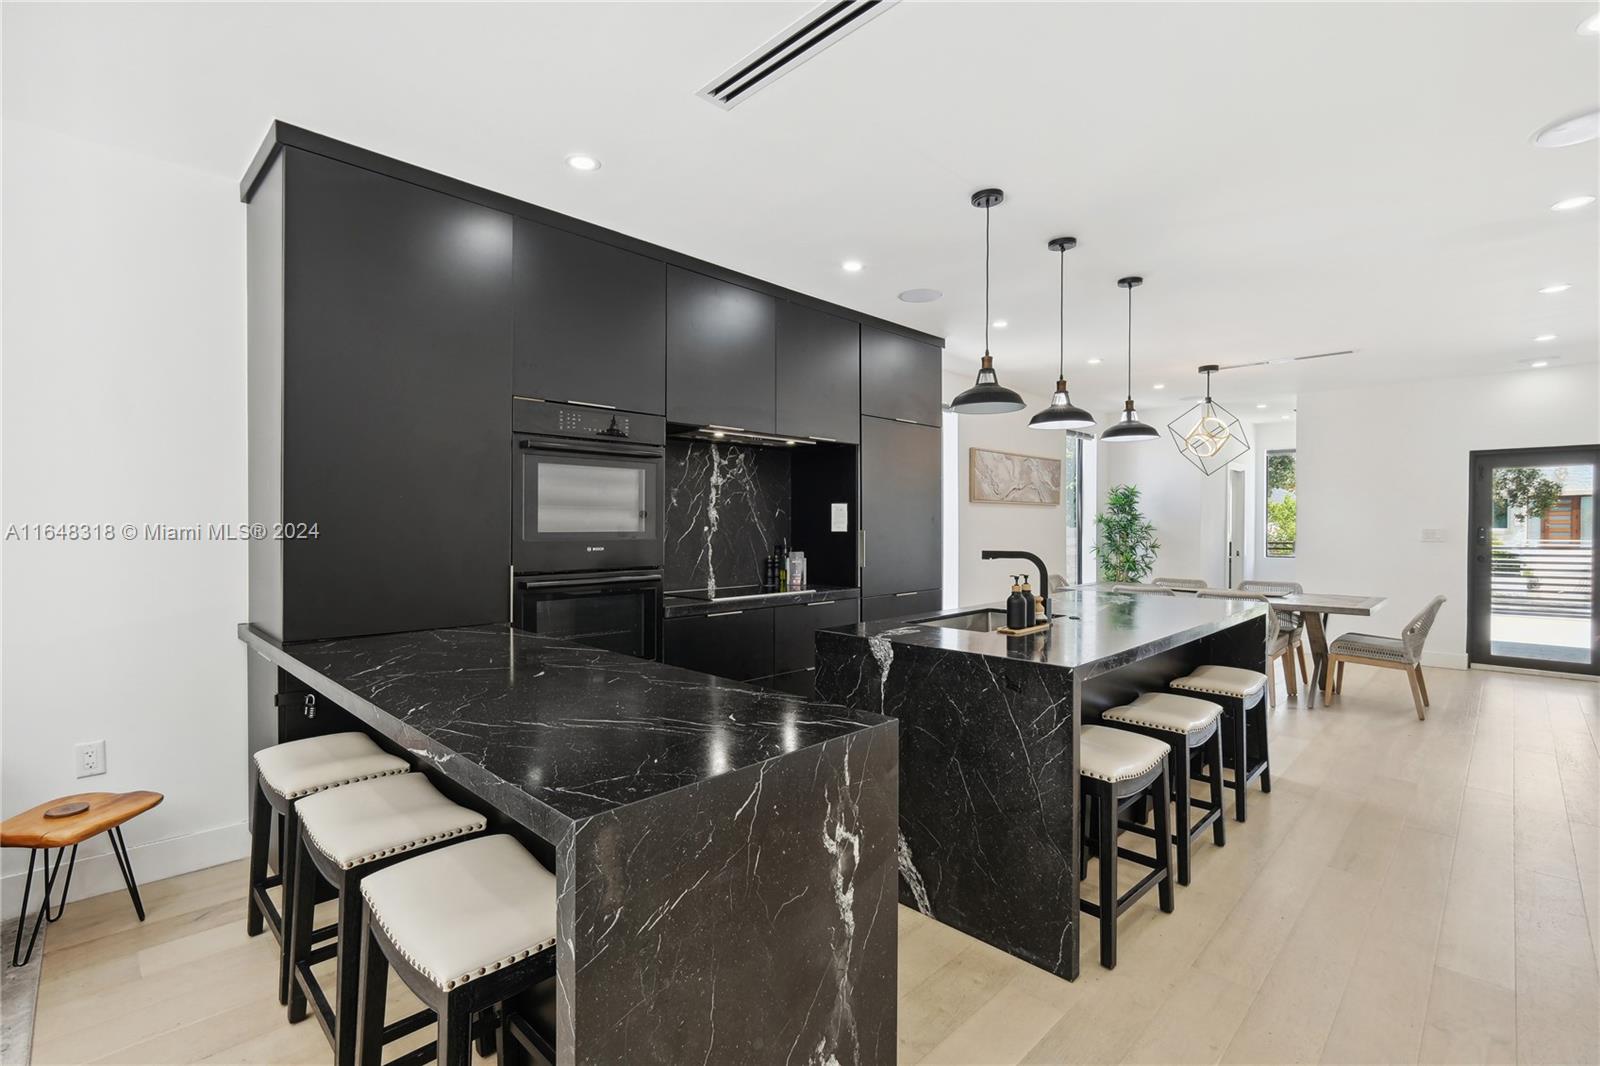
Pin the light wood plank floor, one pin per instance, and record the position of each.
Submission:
(1410, 891)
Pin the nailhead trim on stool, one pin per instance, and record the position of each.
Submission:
(385, 805)
(1167, 712)
(1223, 681)
(302, 767)
(1113, 755)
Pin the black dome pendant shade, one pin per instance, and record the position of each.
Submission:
(1129, 428)
(987, 396)
(1062, 412)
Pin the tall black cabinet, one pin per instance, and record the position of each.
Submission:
(900, 507)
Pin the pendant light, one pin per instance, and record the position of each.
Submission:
(1062, 412)
(987, 396)
(1129, 427)
(1208, 434)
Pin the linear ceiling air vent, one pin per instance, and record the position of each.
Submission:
(805, 38)
(1290, 359)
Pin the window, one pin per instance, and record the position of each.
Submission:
(1280, 515)
(1072, 496)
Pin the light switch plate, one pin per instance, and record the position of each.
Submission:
(840, 518)
(1433, 536)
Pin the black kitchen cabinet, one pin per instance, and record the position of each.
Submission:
(900, 377)
(794, 644)
(591, 321)
(394, 374)
(900, 507)
(721, 353)
(896, 605)
(818, 375)
(731, 644)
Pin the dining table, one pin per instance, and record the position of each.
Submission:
(1315, 607)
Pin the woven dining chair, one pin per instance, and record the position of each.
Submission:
(1291, 619)
(1388, 653)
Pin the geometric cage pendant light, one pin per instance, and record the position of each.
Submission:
(1208, 434)
(987, 396)
(1129, 428)
(1062, 412)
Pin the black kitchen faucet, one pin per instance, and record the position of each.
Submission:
(1044, 575)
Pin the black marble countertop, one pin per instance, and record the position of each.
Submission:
(549, 731)
(1092, 631)
(677, 605)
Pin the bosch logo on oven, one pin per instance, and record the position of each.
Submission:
(595, 548)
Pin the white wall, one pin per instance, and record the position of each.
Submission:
(1377, 465)
(1264, 437)
(1037, 529)
(124, 400)
(1189, 509)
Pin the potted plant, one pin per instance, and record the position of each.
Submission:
(1128, 545)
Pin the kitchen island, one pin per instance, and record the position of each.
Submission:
(724, 855)
(989, 729)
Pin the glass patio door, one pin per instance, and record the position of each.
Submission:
(1531, 573)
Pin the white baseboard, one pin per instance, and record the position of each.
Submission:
(1447, 660)
(154, 860)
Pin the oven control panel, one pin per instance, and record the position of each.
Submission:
(584, 422)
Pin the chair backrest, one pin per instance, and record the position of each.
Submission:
(1157, 589)
(1281, 587)
(1275, 625)
(1180, 582)
(1416, 631)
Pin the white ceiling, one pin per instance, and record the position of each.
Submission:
(1289, 178)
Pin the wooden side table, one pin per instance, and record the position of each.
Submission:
(68, 822)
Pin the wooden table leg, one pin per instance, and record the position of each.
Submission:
(1316, 632)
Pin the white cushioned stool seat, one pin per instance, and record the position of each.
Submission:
(466, 910)
(369, 820)
(1223, 681)
(302, 767)
(1108, 754)
(1167, 711)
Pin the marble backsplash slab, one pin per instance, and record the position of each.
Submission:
(728, 506)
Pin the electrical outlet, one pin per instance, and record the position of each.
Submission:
(91, 758)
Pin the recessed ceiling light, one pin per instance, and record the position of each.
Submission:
(1590, 27)
(851, 266)
(1551, 290)
(1539, 364)
(1094, 362)
(1569, 131)
(920, 296)
(1158, 385)
(1261, 407)
(1572, 203)
(579, 161)
(1541, 338)
(1001, 323)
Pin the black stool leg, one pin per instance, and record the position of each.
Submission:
(347, 994)
(1241, 764)
(260, 842)
(1160, 795)
(374, 981)
(1266, 756)
(119, 848)
(1219, 825)
(455, 1036)
(1106, 839)
(486, 1028)
(300, 899)
(288, 865)
(1178, 772)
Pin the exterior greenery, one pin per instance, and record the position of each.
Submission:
(1525, 492)
(1282, 526)
(1128, 545)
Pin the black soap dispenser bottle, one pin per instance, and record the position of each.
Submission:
(1028, 609)
(1016, 606)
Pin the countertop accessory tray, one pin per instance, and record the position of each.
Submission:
(1040, 628)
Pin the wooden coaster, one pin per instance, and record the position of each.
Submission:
(66, 810)
(1040, 628)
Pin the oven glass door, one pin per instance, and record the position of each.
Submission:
(616, 617)
(588, 510)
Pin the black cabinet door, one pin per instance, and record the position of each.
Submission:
(900, 377)
(819, 374)
(878, 608)
(794, 628)
(397, 367)
(591, 322)
(731, 644)
(721, 353)
(900, 519)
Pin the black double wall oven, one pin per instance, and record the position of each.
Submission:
(588, 510)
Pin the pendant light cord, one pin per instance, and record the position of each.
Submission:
(1061, 322)
(1130, 342)
(986, 209)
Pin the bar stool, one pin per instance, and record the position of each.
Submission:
(1242, 694)
(1117, 769)
(345, 835)
(1187, 725)
(466, 927)
(285, 773)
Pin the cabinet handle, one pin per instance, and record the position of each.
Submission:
(909, 421)
(903, 595)
(585, 403)
(862, 533)
(820, 603)
(724, 614)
